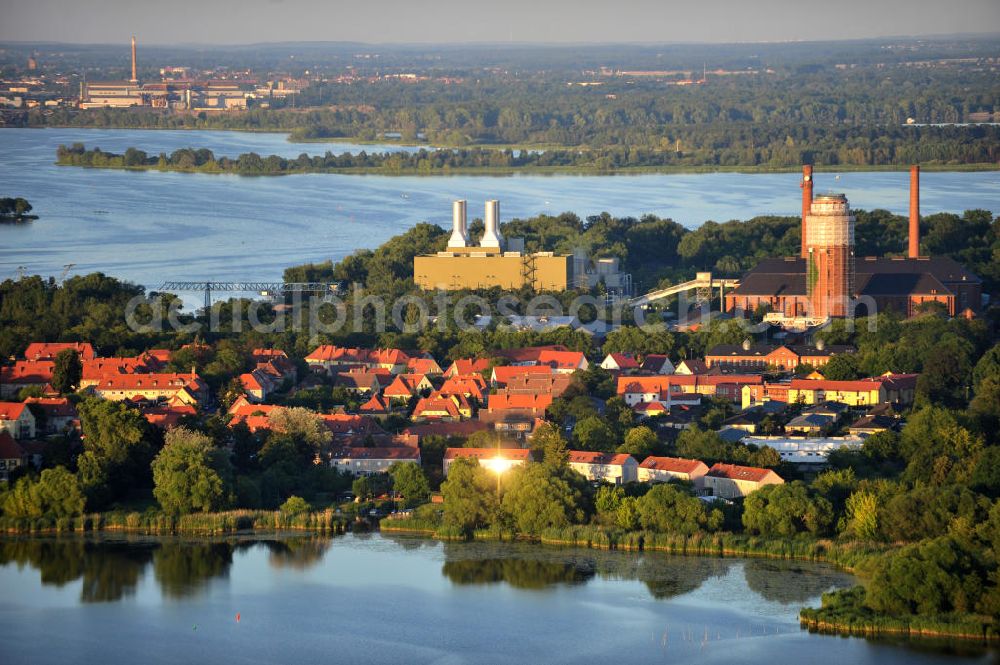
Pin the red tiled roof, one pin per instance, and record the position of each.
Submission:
(54, 407)
(158, 381)
(441, 428)
(503, 401)
(9, 448)
(31, 372)
(672, 464)
(49, 350)
(650, 407)
(11, 410)
(624, 361)
(423, 366)
(400, 453)
(736, 472)
(374, 405)
(481, 453)
(464, 366)
(587, 457)
(504, 374)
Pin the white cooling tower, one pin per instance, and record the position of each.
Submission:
(459, 235)
(492, 237)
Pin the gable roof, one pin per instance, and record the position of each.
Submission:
(672, 464)
(11, 410)
(395, 453)
(49, 350)
(504, 374)
(468, 366)
(607, 459)
(9, 448)
(737, 472)
(487, 453)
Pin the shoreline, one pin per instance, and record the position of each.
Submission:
(543, 170)
(710, 545)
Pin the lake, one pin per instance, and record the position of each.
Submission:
(149, 227)
(376, 599)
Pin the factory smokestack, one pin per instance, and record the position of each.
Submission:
(492, 237)
(807, 199)
(914, 212)
(135, 79)
(459, 235)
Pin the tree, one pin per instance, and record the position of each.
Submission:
(294, 506)
(932, 577)
(67, 371)
(538, 497)
(641, 442)
(301, 424)
(785, 510)
(190, 474)
(469, 495)
(667, 508)
(593, 433)
(841, 367)
(55, 494)
(117, 452)
(862, 515)
(409, 480)
(547, 440)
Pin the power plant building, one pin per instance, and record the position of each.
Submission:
(828, 280)
(494, 263)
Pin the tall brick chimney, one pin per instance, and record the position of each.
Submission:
(807, 199)
(135, 79)
(914, 244)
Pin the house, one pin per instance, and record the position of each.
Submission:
(17, 420)
(556, 356)
(26, 374)
(503, 405)
(869, 424)
(360, 461)
(810, 423)
(330, 359)
(652, 409)
(59, 414)
(182, 388)
(617, 469)
(472, 387)
(12, 455)
(406, 386)
(376, 407)
(95, 368)
(359, 381)
(620, 362)
(49, 350)
(465, 366)
(731, 481)
(657, 363)
(538, 384)
(665, 469)
(760, 357)
(668, 389)
(166, 416)
(504, 374)
(257, 385)
(426, 366)
(440, 407)
(446, 429)
(497, 459)
(691, 367)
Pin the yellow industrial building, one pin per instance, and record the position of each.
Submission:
(488, 265)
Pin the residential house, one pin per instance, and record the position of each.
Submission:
(440, 407)
(12, 455)
(473, 387)
(364, 461)
(406, 386)
(26, 374)
(17, 420)
(759, 357)
(360, 381)
(466, 366)
(166, 416)
(810, 423)
(558, 357)
(426, 366)
(178, 388)
(49, 350)
(446, 429)
(504, 374)
(869, 424)
(665, 469)
(657, 363)
(691, 367)
(59, 414)
(497, 459)
(615, 468)
(620, 362)
(644, 410)
(731, 481)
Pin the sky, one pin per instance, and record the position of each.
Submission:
(447, 21)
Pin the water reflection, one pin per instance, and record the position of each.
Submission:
(297, 553)
(786, 582)
(183, 569)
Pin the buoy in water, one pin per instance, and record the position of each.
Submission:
(237, 617)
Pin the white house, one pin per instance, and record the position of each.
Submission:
(665, 469)
(731, 481)
(16, 419)
(610, 467)
(371, 461)
(496, 459)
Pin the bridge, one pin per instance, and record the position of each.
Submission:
(263, 288)
(702, 280)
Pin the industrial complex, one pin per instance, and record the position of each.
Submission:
(827, 280)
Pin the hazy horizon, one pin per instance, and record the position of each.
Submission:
(556, 22)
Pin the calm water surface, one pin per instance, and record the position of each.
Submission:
(374, 599)
(149, 227)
